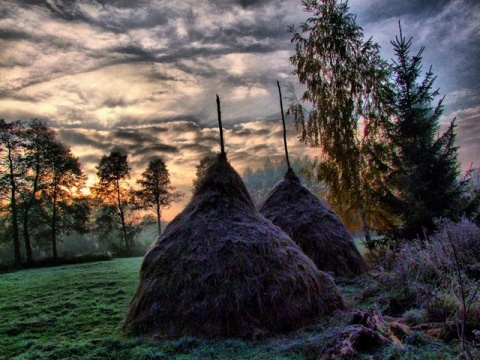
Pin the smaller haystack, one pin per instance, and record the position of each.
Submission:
(308, 221)
(221, 269)
(316, 229)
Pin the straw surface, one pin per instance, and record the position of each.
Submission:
(315, 228)
(222, 270)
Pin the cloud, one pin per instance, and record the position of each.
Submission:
(468, 133)
(182, 145)
(142, 75)
(449, 30)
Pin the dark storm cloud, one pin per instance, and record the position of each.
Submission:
(132, 135)
(139, 153)
(139, 142)
(74, 137)
(118, 102)
(185, 122)
(114, 16)
(400, 8)
(140, 149)
(198, 148)
(250, 132)
(253, 33)
(136, 53)
(13, 35)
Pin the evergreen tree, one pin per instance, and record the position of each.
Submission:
(422, 183)
(156, 193)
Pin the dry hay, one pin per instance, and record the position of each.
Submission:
(315, 228)
(222, 270)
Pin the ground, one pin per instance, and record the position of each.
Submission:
(76, 311)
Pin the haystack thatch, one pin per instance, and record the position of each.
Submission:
(221, 269)
(313, 226)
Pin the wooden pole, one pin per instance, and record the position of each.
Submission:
(219, 112)
(284, 128)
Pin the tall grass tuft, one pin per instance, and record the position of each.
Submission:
(441, 275)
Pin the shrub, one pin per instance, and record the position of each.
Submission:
(439, 273)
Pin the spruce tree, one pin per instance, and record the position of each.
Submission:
(422, 183)
(156, 193)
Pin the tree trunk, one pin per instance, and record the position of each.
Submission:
(16, 232)
(13, 203)
(366, 230)
(124, 227)
(26, 235)
(28, 205)
(122, 215)
(159, 216)
(54, 227)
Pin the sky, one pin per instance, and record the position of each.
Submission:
(141, 76)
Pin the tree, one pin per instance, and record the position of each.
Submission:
(156, 193)
(204, 164)
(12, 170)
(37, 180)
(112, 171)
(348, 86)
(422, 182)
(39, 138)
(65, 180)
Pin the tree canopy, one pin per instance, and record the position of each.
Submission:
(349, 90)
(422, 182)
(111, 189)
(156, 193)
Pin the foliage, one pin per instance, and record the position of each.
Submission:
(348, 86)
(112, 190)
(38, 178)
(36, 152)
(62, 206)
(156, 193)
(438, 274)
(204, 164)
(421, 183)
(41, 203)
(470, 202)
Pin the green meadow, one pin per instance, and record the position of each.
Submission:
(76, 312)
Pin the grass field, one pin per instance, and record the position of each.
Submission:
(76, 311)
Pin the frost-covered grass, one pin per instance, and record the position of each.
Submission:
(76, 311)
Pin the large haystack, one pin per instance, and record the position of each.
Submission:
(221, 269)
(315, 228)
